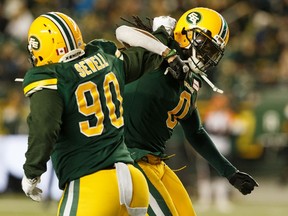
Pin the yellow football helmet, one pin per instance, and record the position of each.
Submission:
(54, 37)
(203, 34)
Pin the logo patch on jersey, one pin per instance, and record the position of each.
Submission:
(61, 51)
(193, 17)
(196, 84)
(34, 43)
(186, 84)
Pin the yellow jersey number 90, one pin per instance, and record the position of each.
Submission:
(96, 108)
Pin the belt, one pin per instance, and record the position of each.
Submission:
(154, 160)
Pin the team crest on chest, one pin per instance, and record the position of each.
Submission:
(194, 87)
(189, 87)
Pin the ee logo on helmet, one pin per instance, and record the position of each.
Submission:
(193, 17)
(34, 43)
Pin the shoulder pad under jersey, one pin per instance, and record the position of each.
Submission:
(108, 47)
(38, 78)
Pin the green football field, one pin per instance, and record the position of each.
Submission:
(270, 199)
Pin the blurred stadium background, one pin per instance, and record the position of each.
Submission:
(253, 75)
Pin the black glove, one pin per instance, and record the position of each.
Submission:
(177, 67)
(243, 182)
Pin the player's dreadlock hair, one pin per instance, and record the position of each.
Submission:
(139, 23)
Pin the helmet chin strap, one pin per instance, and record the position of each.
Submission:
(214, 88)
(194, 63)
(196, 70)
(72, 55)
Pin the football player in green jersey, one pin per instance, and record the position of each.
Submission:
(76, 116)
(156, 103)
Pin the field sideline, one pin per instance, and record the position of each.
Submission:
(270, 199)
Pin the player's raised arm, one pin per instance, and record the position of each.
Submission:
(130, 36)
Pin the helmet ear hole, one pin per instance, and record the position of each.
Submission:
(183, 32)
(40, 58)
(208, 33)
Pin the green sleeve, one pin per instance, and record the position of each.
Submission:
(44, 123)
(202, 143)
(162, 35)
(106, 46)
(138, 61)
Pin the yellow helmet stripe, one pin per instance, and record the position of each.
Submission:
(64, 29)
(40, 83)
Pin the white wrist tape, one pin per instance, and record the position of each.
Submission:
(166, 21)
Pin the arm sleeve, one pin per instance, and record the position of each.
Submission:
(139, 38)
(44, 123)
(202, 143)
(138, 60)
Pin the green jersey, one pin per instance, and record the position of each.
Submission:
(88, 131)
(153, 106)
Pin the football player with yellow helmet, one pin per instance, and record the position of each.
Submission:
(203, 42)
(76, 117)
(200, 37)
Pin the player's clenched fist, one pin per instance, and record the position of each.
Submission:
(243, 182)
(177, 68)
